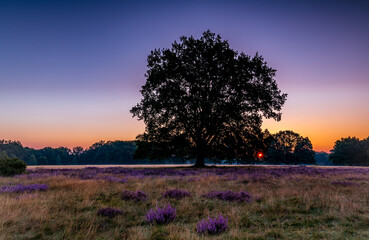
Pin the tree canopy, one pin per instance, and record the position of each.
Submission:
(350, 151)
(203, 99)
(288, 147)
(110, 152)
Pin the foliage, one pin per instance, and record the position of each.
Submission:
(161, 215)
(350, 151)
(12, 166)
(289, 147)
(110, 152)
(214, 225)
(202, 99)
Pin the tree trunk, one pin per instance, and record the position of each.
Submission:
(200, 160)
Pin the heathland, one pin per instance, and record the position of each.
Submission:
(258, 202)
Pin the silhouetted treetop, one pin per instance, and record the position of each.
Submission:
(201, 91)
(288, 147)
(350, 151)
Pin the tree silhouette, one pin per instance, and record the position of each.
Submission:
(289, 147)
(77, 150)
(350, 151)
(205, 96)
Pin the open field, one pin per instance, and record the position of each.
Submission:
(170, 166)
(284, 203)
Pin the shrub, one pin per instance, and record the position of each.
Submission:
(133, 196)
(109, 212)
(161, 215)
(176, 193)
(12, 166)
(212, 225)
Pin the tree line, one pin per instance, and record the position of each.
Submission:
(110, 152)
(284, 147)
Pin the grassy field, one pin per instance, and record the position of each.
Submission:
(288, 203)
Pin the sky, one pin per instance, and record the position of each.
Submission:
(70, 71)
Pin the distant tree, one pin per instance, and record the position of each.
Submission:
(288, 147)
(57, 160)
(97, 145)
(64, 155)
(350, 151)
(110, 152)
(365, 147)
(205, 96)
(42, 160)
(12, 149)
(77, 150)
(303, 152)
(32, 160)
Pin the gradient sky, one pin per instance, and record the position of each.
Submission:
(71, 70)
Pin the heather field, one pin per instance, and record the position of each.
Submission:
(251, 202)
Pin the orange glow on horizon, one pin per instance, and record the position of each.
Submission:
(322, 136)
(324, 119)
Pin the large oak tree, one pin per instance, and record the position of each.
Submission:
(201, 97)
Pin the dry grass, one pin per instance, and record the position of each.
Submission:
(301, 207)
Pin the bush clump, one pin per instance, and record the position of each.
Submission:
(212, 226)
(12, 166)
(161, 215)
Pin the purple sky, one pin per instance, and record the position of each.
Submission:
(71, 70)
